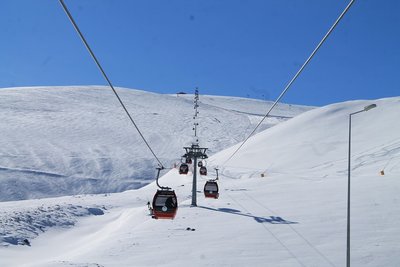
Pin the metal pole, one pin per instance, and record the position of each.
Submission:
(194, 185)
(366, 108)
(195, 129)
(348, 198)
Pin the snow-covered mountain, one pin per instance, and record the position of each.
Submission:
(73, 140)
(283, 200)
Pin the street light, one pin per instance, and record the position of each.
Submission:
(348, 182)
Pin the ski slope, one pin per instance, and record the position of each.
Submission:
(282, 203)
(59, 141)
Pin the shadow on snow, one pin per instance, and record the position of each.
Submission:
(270, 219)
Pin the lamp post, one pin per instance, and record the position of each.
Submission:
(348, 182)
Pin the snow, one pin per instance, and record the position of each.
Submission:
(283, 200)
(59, 141)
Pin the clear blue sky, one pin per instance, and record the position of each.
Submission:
(224, 47)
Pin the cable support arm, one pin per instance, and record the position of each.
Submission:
(158, 176)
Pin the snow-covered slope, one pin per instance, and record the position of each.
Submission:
(282, 203)
(306, 145)
(72, 140)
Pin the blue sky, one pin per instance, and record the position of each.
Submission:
(225, 47)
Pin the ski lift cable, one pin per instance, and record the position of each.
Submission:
(293, 79)
(106, 77)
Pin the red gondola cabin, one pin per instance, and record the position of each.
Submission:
(183, 169)
(211, 189)
(165, 204)
(203, 170)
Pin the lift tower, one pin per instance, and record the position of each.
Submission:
(195, 152)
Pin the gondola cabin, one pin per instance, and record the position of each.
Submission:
(165, 204)
(211, 189)
(200, 164)
(203, 170)
(189, 160)
(183, 169)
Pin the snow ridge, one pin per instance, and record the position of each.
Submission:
(19, 227)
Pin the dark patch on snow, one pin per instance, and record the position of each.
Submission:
(270, 219)
(228, 210)
(96, 211)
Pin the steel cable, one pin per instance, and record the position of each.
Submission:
(107, 79)
(292, 80)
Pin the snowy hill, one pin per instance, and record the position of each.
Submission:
(306, 145)
(282, 203)
(73, 140)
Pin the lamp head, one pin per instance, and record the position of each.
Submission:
(369, 107)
